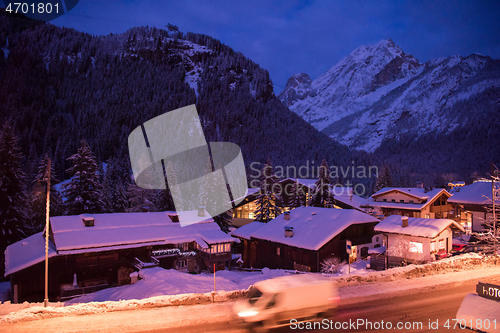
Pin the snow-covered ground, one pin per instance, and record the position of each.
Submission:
(159, 287)
(159, 282)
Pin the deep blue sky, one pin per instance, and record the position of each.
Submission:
(288, 37)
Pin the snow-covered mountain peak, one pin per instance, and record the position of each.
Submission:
(352, 84)
(379, 91)
(297, 87)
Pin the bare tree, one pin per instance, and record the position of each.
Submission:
(400, 247)
(490, 237)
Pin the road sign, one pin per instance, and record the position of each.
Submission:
(348, 245)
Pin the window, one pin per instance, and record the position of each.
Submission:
(441, 244)
(437, 203)
(433, 247)
(416, 247)
(220, 248)
(227, 247)
(411, 201)
(402, 201)
(393, 200)
(278, 250)
(181, 264)
(385, 200)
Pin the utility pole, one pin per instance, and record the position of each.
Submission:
(40, 188)
(494, 174)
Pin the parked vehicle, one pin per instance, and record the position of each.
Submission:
(276, 302)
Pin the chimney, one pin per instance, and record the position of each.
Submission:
(404, 221)
(288, 231)
(88, 220)
(287, 216)
(174, 217)
(420, 185)
(201, 211)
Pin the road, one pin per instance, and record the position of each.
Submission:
(430, 305)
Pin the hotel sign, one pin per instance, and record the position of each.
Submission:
(489, 291)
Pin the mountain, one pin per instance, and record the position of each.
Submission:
(381, 94)
(58, 86)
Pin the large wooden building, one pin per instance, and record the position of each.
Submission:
(101, 250)
(343, 197)
(470, 204)
(412, 202)
(304, 237)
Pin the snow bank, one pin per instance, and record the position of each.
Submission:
(57, 310)
(159, 282)
(477, 310)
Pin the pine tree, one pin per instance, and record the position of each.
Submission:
(84, 192)
(38, 200)
(297, 197)
(322, 195)
(269, 203)
(13, 200)
(384, 179)
(140, 199)
(115, 196)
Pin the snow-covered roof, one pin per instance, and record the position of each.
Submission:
(111, 232)
(312, 227)
(419, 227)
(26, 253)
(352, 200)
(250, 191)
(130, 228)
(418, 193)
(246, 230)
(476, 193)
(377, 250)
(303, 181)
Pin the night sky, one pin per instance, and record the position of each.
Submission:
(288, 37)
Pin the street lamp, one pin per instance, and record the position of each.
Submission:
(40, 188)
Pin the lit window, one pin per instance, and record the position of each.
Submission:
(416, 247)
(441, 244)
(220, 248)
(278, 251)
(433, 247)
(227, 247)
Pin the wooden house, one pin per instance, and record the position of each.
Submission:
(304, 237)
(101, 250)
(470, 203)
(412, 202)
(416, 240)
